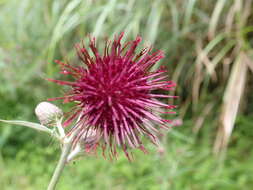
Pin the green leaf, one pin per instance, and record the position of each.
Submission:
(32, 125)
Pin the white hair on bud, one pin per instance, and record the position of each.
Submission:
(47, 112)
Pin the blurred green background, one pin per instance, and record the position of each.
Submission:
(209, 52)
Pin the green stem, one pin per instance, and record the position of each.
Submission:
(60, 166)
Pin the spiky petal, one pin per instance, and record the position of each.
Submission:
(116, 94)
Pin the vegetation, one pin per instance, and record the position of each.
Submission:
(209, 51)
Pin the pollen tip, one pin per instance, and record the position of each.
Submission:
(138, 39)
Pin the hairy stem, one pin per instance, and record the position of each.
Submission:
(67, 145)
(60, 166)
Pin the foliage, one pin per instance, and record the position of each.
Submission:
(202, 40)
(185, 164)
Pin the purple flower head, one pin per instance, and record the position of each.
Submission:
(116, 94)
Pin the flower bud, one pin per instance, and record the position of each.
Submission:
(90, 136)
(47, 112)
(89, 140)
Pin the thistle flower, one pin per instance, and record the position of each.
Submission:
(115, 94)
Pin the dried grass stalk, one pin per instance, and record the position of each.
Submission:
(231, 101)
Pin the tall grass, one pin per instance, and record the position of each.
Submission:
(208, 47)
(200, 39)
